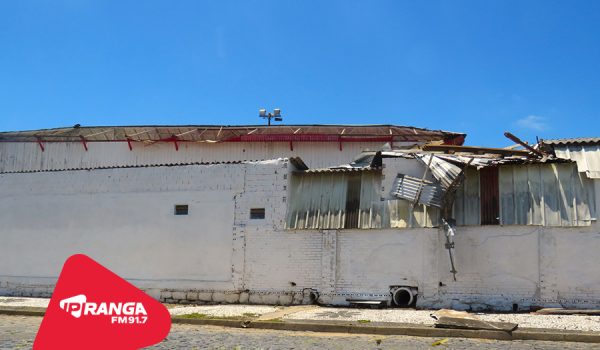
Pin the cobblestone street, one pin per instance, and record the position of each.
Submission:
(18, 332)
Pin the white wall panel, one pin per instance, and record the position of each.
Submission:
(125, 219)
(15, 157)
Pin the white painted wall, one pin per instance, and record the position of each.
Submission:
(136, 234)
(124, 219)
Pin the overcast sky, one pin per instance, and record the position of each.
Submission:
(480, 67)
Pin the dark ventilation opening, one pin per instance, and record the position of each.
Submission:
(257, 213)
(490, 203)
(403, 297)
(352, 202)
(313, 297)
(181, 209)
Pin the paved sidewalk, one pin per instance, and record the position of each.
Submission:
(354, 320)
(24, 302)
(316, 313)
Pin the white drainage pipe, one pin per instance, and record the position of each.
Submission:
(403, 296)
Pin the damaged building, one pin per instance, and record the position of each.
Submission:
(341, 215)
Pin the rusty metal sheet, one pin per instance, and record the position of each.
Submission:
(490, 196)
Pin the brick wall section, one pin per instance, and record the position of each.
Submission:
(274, 259)
(375, 260)
(329, 253)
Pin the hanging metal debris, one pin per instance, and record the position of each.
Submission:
(417, 190)
(449, 229)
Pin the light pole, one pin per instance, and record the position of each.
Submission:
(276, 115)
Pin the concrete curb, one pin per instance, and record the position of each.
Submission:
(22, 311)
(401, 329)
(370, 328)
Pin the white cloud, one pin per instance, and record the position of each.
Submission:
(533, 122)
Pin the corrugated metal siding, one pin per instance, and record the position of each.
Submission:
(467, 201)
(535, 194)
(545, 194)
(319, 201)
(400, 213)
(586, 156)
(27, 156)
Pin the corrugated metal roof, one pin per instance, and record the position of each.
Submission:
(573, 141)
(131, 166)
(339, 170)
(586, 156)
(228, 133)
(115, 146)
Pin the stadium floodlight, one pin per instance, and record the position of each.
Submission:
(276, 115)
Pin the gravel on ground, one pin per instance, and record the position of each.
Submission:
(524, 320)
(224, 310)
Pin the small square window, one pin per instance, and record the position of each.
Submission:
(181, 209)
(257, 213)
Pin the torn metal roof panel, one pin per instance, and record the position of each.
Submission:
(587, 157)
(474, 150)
(444, 171)
(298, 163)
(461, 159)
(417, 190)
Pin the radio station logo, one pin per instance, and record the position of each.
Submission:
(129, 312)
(93, 308)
